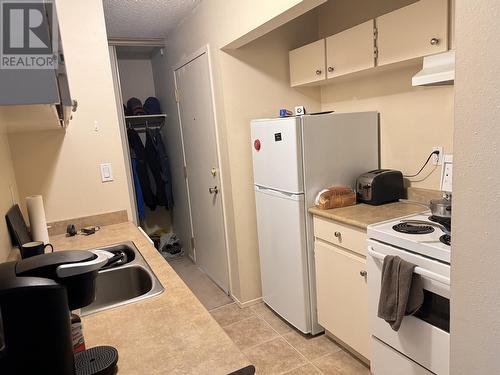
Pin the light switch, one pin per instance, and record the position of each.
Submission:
(106, 172)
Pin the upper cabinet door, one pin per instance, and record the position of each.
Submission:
(419, 29)
(351, 50)
(307, 64)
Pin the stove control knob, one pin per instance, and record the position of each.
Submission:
(256, 144)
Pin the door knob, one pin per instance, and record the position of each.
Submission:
(213, 190)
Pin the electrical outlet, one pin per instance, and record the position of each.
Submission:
(437, 159)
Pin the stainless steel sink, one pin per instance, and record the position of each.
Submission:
(128, 283)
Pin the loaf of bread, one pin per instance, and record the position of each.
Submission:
(336, 197)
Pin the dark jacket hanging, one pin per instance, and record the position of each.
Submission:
(137, 148)
(162, 159)
(154, 162)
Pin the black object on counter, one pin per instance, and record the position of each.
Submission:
(36, 297)
(379, 186)
(18, 229)
(31, 249)
(249, 370)
(100, 360)
(71, 230)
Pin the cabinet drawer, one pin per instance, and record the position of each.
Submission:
(387, 361)
(351, 238)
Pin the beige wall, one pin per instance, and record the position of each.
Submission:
(253, 82)
(337, 15)
(8, 193)
(249, 83)
(412, 119)
(136, 78)
(475, 259)
(64, 167)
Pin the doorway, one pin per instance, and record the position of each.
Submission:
(202, 173)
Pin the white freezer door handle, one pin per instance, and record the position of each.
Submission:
(419, 271)
(279, 194)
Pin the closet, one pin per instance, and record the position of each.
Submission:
(144, 123)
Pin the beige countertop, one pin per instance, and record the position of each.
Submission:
(362, 215)
(171, 333)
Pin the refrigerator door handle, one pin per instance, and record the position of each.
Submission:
(279, 193)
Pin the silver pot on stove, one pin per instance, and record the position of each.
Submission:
(441, 208)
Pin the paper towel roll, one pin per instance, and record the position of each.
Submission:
(38, 222)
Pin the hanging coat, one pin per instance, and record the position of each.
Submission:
(137, 148)
(138, 191)
(156, 142)
(154, 165)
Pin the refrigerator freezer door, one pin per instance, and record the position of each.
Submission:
(277, 154)
(283, 258)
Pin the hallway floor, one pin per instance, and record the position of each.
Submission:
(274, 347)
(209, 294)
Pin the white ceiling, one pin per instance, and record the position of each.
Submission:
(144, 18)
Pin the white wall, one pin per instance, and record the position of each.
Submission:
(8, 193)
(475, 259)
(64, 166)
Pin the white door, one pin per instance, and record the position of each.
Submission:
(200, 152)
(282, 253)
(277, 154)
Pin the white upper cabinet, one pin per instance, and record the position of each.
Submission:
(417, 30)
(351, 50)
(307, 63)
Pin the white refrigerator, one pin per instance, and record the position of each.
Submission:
(293, 159)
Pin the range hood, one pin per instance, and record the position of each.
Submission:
(437, 70)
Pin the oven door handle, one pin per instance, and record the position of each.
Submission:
(418, 270)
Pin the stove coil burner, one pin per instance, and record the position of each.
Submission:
(446, 239)
(413, 229)
(444, 221)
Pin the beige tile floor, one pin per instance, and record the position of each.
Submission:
(274, 347)
(209, 294)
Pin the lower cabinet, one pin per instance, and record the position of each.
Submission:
(342, 295)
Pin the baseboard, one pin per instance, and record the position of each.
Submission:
(247, 303)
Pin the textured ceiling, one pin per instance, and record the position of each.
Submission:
(144, 18)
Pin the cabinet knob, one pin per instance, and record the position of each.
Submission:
(337, 234)
(318, 72)
(331, 69)
(363, 273)
(214, 190)
(434, 41)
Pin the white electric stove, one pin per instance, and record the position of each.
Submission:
(422, 344)
(428, 239)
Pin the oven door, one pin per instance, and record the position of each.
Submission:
(424, 337)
